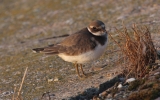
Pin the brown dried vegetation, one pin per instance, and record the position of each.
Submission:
(137, 51)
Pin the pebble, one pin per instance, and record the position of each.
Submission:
(50, 80)
(39, 87)
(109, 96)
(119, 86)
(157, 73)
(51, 66)
(56, 79)
(130, 80)
(7, 93)
(17, 73)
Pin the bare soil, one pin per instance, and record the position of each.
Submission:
(25, 23)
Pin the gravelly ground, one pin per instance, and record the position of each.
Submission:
(24, 22)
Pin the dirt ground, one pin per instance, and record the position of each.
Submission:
(25, 23)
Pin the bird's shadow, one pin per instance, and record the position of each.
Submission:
(87, 94)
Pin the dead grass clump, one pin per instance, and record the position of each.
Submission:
(137, 51)
(18, 96)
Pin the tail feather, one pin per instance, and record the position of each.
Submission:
(46, 50)
(51, 53)
(38, 50)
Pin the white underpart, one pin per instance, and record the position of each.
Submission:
(85, 57)
(99, 33)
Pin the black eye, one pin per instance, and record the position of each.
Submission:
(94, 28)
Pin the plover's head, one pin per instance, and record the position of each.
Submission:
(97, 28)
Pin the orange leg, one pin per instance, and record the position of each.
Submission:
(77, 70)
(81, 66)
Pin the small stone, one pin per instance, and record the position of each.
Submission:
(17, 73)
(124, 95)
(39, 87)
(50, 66)
(96, 68)
(130, 80)
(69, 21)
(50, 80)
(121, 17)
(157, 73)
(109, 96)
(73, 69)
(56, 79)
(119, 86)
(7, 93)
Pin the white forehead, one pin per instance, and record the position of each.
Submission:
(91, 26)
(103, 26)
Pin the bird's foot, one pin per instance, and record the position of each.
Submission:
(84, 75)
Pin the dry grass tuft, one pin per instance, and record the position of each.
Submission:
(137, 51)
(18, 97)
